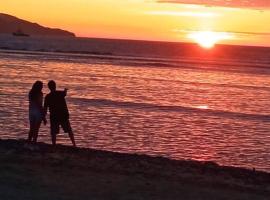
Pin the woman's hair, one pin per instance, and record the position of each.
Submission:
(36, 90)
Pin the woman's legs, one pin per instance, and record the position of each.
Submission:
(36, 130)
(53, 139)
(33, 132)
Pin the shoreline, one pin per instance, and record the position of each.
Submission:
(86, 172)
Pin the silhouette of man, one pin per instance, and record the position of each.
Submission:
(59, 115)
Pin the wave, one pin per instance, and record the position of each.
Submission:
(192, 63)
(168, 108)
(221, 85)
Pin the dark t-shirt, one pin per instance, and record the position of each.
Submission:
(57, 105)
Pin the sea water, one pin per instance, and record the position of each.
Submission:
(162, 99)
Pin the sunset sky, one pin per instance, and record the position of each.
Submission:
(245, 22)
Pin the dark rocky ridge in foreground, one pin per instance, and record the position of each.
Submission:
(75, 173)
(10, 24)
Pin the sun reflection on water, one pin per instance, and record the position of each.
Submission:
(203, 107)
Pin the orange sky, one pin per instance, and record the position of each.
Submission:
(149, 19)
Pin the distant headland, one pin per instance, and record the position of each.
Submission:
(12, 25)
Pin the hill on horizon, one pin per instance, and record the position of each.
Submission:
(10, 24)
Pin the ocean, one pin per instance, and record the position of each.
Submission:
(162, 99)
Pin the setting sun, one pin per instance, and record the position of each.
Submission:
(208, 39)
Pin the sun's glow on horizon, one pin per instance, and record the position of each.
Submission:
(208, 39)
(147, 20)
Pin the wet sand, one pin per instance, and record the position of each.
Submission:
(64, 172)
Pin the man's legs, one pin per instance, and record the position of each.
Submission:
(71, 136)
(54, 130)
(67, 129)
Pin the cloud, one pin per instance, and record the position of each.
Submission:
(250, 33)
(249, 4)
(186, 14)
(235, 33)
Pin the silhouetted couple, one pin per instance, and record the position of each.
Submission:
(59, 115)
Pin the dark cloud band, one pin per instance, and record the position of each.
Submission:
(243, 33)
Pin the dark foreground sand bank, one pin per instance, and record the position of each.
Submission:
(67, 173)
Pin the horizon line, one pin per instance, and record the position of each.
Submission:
(168, 41)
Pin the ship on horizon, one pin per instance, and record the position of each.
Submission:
(20, 33)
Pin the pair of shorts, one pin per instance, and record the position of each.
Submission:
(56, 123)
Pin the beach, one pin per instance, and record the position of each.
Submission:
(64, 172)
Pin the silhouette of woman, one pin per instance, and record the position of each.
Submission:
(36, 111)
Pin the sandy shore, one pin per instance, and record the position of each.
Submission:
(67, 173)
